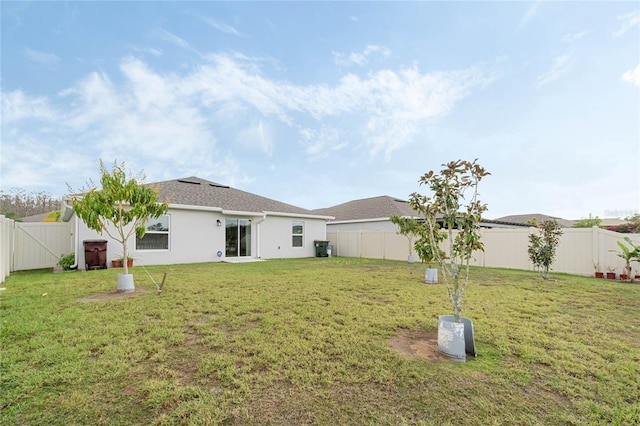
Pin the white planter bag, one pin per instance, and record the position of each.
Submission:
(431, 276)
(455, 339)
(125, 282)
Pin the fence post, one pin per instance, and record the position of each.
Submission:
(6, 247)
(595, 248)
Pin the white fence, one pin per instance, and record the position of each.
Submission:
(579, 250)
(6, 247)
(39, 245)
(32, 245)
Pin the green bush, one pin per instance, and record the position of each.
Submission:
(66, 260)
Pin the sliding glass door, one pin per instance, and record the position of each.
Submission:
(238, 237)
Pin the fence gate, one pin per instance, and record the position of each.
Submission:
(40, 245)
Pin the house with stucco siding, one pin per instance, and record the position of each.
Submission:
(211, 222)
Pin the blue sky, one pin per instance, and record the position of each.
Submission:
(316, 104)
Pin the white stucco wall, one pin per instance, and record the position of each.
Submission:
(276, 238)
(194, 237)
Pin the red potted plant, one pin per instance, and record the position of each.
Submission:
(628, 254)
(611, 273)
(118, 263)
(599, 273)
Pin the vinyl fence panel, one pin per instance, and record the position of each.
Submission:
(6, 247)
(40, 245)
(579, 252)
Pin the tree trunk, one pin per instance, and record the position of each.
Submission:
(125, 256)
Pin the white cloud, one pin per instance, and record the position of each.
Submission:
(17, 106)
(560, 67)
(395, 101)
(149, 50)
(571, 37)
(221, 26)
(93, 100)
(359, 58)
(152, 120)
(529, 15)
(48, 59)
(173, 39)
(149, 89)
(629, 21)
(257, 135)
(632, 76)
(320, 143)
(229, 172)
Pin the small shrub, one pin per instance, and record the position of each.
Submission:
(66, 260)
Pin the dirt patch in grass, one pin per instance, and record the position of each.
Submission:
(112, 295)
(418, 345)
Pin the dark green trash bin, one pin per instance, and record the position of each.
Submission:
(321, 248)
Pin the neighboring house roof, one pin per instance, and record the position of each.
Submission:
(383, 207)
(193, 191)
(613, 222)
(526, 218)
(369, 208)
(35, 218)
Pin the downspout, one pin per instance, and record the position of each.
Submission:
(264, 216)
(75, 244)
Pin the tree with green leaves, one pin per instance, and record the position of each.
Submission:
(414, 229)
(408, 227)
(121, 207)
(589, 222)
(542, 246)
(634, 223)
(446, 211)
(629, 254)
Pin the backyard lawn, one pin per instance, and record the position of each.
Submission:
(308, 341)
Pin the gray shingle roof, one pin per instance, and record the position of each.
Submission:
(369, 208)
(525, 218)
(193, 191)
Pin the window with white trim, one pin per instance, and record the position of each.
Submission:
(297, 234)
(156, 236)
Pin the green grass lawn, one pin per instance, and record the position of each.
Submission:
(307, 342)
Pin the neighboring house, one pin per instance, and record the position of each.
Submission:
(209, 222)
(373, 214)
(613, 222)
(525, 219)
(367, 214)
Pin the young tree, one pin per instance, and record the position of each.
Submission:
(542, 246)
(456, 182)
(413, 229)
(408, 227)
(121, 207)
(628, 255)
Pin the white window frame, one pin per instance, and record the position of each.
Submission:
(294, 234)
(150, 223)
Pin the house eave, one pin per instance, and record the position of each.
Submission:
(195, 208)
(241, 213)
(377, 219)
(300, 215)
